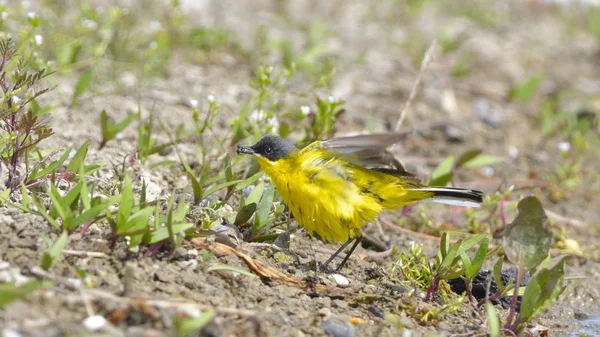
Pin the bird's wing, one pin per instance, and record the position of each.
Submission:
(369, 151)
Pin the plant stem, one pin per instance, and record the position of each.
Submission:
(513, 303)
(432, 288)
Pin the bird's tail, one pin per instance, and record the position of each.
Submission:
(454, 196)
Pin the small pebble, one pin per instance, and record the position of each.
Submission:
(6, 332)
(340, 280)
(94, 323)
(338, 328)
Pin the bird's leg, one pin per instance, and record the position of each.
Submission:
(325, 266)
(356, 243)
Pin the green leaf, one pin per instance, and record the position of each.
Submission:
(82, 85)
(543, 289)
(471, 242)
(478, 260)
(110, 129)
(442, 173)
(467, 156)
(79, 158)
(255, 195)
(444, 244)
(498, 272)
(24, 196)
(525, 91)
(4, 194)
(162, 233)
(249, 181)
(481, 160)
(136, 223)
(220, 187)
(10, 293)
(493, 320)
(451, 257)
(231, 269)
(57, 203)
(245, 214)
(196, 188)
(50, 168)
(264, 208)
(527, 239)
(42, 211)
(54, 251)
(126, 204)
(190, 326)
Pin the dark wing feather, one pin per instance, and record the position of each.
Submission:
(371, 152)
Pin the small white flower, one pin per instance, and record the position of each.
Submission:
(274, 123)
(155, 25)
(210, 98)
(16, 100)
(513, 152)
(487, 171)
(94, 323)
(4, 15)
(270, 69)
(39, 40)
(407, 333)
(153, 45)
(91, 24)
(305, 109)
(564, 146)
(6, 332)
(331, 99)
(257, 115)
(194, 103)
(31, 15)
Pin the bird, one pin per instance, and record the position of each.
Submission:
(334, 187)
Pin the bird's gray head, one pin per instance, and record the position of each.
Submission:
(270, 147)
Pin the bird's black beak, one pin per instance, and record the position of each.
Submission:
(245, 150)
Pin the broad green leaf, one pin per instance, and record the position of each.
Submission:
(245, 214)
(255, 195)
(54, 251)
(191, 326)
(467, 156)
(86, 216)
(79, 158)
(231, 269)
(466, 261)
(264, 208)
(10, 293)
(527, 239)
(82, 85)
(482, 160)
(543, 289)
(443, 172)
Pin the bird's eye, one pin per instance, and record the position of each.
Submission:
(268, 150)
